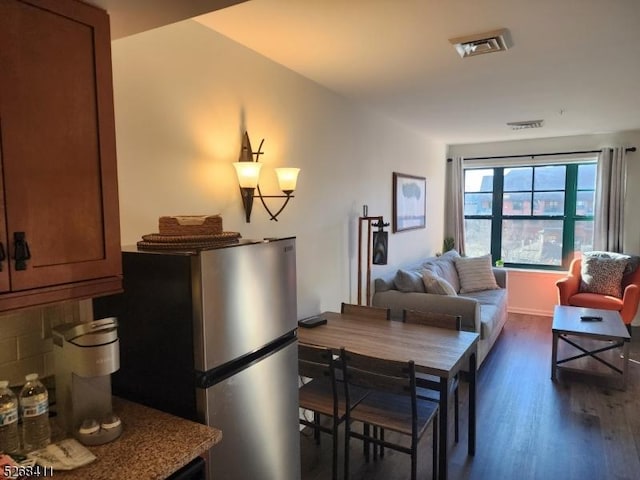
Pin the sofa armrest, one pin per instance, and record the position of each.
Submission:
(467, 308)
(501, 276)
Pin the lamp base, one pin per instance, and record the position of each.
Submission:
(247, 202)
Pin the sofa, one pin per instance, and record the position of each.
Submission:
(469, 287)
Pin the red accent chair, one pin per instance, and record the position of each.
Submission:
(569, 293)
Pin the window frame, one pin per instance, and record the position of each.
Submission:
(569, 216)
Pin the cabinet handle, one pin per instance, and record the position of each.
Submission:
(3, 255)
(21, 251)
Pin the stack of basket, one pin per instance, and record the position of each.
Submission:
(188, 232)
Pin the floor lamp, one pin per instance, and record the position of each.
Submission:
(376, 249)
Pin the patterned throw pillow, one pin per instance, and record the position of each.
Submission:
(475, 274)
(602, 275)
(437, 285)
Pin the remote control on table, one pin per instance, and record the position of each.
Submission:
(591, 318)
(312, 321)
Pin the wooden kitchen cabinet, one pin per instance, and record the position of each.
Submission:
(58, 188)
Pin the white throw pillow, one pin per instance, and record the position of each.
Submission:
(475, 274)
(437, 285)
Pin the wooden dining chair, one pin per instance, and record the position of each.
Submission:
(391, 404)
(429, 385)
(376, 313)
(366, 311)
(324, 395)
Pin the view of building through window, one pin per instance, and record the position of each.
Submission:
(531, 215)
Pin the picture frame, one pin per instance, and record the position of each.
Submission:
(409, 202)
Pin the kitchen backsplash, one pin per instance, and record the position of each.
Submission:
(25, 338)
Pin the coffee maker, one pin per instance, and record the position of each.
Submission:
(85, 356)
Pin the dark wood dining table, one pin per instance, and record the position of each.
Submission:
(435, 351)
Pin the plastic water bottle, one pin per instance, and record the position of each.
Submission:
(9, 441)
(34, 409)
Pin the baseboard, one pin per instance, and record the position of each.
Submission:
(530, 311)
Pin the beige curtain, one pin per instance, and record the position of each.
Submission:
(454, 205)
(611, 182)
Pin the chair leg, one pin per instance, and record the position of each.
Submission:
(456, 409)
(316, 431)
(365, 443)
(414, 456)
(347, 439)
(375, 445)
(434, 469)
(334, 434)
(382, 446)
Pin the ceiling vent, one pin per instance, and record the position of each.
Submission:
(488, 42)
(525, 124)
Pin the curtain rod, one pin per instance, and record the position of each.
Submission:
(630, 149)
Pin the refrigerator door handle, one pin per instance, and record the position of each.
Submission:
(216, 375)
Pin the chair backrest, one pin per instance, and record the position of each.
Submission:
(366, 311)
(575, 267)
(318, 363)
(379, 374)
(633, 278)
(433, 319)
(315, 362)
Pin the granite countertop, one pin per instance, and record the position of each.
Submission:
(153, 445)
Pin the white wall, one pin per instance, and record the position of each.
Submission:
(523, 283)
(183, 96)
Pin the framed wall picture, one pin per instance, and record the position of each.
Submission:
(409, 202)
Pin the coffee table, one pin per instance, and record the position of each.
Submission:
(567, 322)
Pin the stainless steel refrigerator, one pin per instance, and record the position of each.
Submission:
(211, 336)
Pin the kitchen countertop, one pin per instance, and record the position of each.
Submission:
(153, 445)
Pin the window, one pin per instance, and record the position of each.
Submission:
(530, 216)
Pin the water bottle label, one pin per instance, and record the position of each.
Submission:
(35, 410)
(34, 400)
(7, 418)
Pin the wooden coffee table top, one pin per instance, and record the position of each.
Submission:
(566, 319)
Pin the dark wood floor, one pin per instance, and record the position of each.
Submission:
(529, 428)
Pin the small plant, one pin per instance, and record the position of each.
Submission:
(499, 263)
(448, 244)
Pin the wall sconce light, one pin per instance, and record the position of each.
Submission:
(248, 171)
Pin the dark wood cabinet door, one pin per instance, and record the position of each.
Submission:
(5, 286)
(58, 142)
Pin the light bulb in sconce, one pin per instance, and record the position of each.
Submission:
(287, 179)
(248, 173)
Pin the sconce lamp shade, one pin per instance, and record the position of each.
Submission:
(248, 173)
(287, 179)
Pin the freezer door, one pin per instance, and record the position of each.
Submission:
(257, 411)
(245, 297)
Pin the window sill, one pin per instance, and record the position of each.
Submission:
(559, 273)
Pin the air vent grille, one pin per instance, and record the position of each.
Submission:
(481, 43)
(525, 124)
